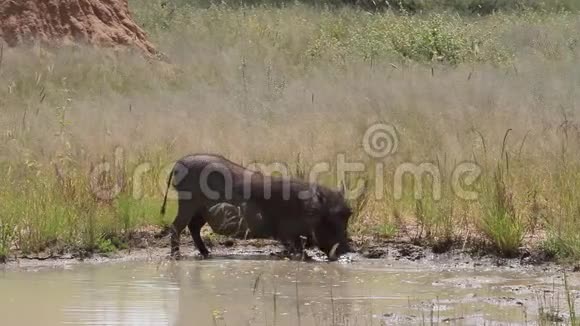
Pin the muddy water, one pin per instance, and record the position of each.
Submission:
(265, 292)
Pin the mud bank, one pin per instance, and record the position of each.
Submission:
(153, 245)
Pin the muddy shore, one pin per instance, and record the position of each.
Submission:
(153, 245)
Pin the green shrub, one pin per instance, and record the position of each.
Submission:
(106, 246)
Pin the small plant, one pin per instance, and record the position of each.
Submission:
(564, 226)
(106, 246)
(500, 222)
(387, 230)
(570, 301)
(129, 211)
(563, 244)
(550, 312)
(7, 228)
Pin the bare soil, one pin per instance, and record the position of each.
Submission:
(105, 23)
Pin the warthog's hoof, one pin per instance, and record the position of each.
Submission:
(175, 256)
(204, 255)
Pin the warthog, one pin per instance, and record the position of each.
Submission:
(276, 207)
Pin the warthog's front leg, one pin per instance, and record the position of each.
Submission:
(295, 247)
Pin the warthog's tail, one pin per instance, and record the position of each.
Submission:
(166, 190)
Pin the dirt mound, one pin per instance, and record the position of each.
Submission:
(106, 23)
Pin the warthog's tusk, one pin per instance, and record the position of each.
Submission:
(332, 254)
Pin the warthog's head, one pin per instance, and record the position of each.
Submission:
(331, 231)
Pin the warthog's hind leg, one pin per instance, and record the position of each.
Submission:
(185, 212)
(195, 225)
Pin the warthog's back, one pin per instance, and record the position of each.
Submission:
(196, 166)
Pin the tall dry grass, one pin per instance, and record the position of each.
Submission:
(299, 85)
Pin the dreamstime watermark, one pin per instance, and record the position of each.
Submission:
(380, 143)
(380, 140)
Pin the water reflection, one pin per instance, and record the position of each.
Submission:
(121, 295)
(246, 292)
(241, 293)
